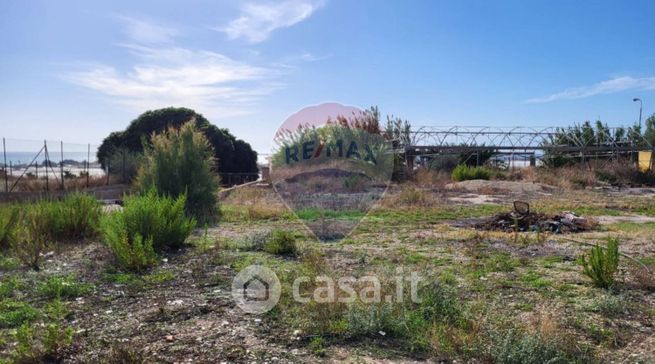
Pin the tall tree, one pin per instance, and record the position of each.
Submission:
(232, 155)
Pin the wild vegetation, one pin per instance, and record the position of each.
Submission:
(146, 225)
(235, 155)
(464, 173)
(77, 281)
(181, 162)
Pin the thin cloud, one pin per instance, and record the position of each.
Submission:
(257, 21)
(143, 31)
(172, 76)
(614, 85)
(309, 57)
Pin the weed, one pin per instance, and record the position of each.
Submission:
(147, 223)
(515, 347)
(55, 338)
(448, 277)
(122, 278)
(535, 280)
(8, 225)
(317, 346)
(134, 255)
(463, 172)
(57, 287)
(602, 264)
(33, 239)
(501, 262)
(256, 240)
(8, 263)
(412, 196)
(81, 216)
(263, 212)
(8, 286)
(161, 219)
(125, 354)
(160, 277)
(14, 313)
(282, 242)
(41, 344)
(205, 242)
(56, 310)
(610, 305)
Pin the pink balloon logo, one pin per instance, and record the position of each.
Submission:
(331, 164)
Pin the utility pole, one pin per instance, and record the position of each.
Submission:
(641, 105)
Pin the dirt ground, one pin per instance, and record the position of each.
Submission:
(182, 311)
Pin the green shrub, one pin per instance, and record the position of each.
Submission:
(74, 217)
(146, 224)
(15, 313)
(8, 224)
(34, 235)
(135, 254)
(55, 338)
(281, 242)
(63, 287)
(463, 173)
(80, 214)
(255, 241)
(161, 219)
(42, 344)
(8, 286)
(514, 347)
(602, 263)
(42, 223)
(181, 162)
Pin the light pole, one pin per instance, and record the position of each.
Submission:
(641, 104)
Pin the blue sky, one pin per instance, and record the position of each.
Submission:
(77, 70)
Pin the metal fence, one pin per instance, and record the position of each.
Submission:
(47, 165)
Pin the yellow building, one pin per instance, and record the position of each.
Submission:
(645, 161)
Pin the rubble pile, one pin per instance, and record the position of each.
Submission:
(522, 219)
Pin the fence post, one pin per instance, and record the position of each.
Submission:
(4, 165)
(107, 163)
(47, 164)
(88, 161)
(36, 170)
(61, 164)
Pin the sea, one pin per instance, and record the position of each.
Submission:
(23, 158)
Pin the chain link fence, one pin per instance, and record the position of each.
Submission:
(49, 165)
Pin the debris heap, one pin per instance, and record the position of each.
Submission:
(522, 219)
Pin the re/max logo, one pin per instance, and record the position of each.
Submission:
(313, 149)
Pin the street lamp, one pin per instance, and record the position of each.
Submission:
(641, 104)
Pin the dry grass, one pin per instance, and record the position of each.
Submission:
(644, 279)
(33, 184)
(410, 196)
(428, 178)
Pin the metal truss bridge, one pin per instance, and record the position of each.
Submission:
(523, 142)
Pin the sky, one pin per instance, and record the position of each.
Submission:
(78, 70)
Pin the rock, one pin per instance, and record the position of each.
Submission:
(169, 338)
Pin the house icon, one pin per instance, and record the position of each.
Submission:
(256, 289)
